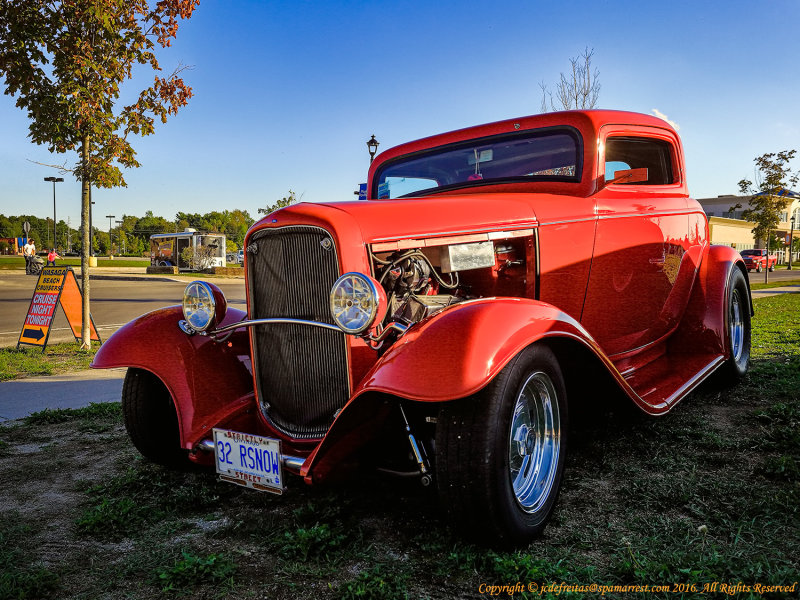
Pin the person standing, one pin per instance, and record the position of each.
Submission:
(51, 257)
(29, 252)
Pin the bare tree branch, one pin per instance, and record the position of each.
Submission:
(580, 89)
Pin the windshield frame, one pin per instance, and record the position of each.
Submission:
(569, 130)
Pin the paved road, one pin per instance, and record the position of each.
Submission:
(114, 302)
(777, 275)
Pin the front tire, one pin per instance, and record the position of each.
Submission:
(151, 420)
(500, 454)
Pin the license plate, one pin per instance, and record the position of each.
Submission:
(249, 460)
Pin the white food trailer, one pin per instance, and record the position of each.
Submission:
(167, 249)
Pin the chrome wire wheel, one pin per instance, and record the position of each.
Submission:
(736, 325)
(534, 442)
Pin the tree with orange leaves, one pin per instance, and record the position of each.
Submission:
(65, 61)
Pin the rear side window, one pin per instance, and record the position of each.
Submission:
(623, 153)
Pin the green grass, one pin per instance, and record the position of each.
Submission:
(773, 284)
(776, 326)
(143, 496)
(376, 583)
(107, 262)
(21, 576)
(18, 262)
(191, 570)
(30, 361)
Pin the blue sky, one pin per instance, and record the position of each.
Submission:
(287, 93)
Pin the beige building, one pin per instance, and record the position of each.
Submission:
(729, 228)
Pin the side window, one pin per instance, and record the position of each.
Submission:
(624, 153)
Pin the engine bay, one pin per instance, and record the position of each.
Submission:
(422, 280)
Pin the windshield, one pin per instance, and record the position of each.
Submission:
(752, 252)
(549, 155)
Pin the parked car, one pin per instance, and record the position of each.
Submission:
(446, 327)
(759, 259)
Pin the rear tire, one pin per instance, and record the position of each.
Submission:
(737, 328)
(500, 454)
(151, 420)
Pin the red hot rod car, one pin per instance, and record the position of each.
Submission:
(759, 259)
(442, 327)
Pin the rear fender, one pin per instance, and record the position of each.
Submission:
(702, 329)
(211, 383)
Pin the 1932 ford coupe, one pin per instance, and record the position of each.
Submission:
(444, 326)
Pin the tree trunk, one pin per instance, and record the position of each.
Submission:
(86, 333)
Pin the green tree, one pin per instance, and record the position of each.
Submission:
(65, 60)
(285, 201)
(768, 195)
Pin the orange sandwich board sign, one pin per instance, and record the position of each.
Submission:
(56, 285)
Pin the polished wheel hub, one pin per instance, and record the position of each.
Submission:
(534, 442)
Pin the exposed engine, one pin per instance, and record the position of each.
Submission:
(420, 282)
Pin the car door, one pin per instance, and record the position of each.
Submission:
(640, 275)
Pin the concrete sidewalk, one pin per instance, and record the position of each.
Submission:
(22, 397)
(786, 289)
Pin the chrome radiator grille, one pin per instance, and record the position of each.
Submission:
(301, 371)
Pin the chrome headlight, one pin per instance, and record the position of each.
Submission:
(203, 305)
(356, 302)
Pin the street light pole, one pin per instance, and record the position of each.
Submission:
(791, 242)
(54, 180)
(110, 239)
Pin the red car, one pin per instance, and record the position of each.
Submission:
(445, 327)
(759, 259)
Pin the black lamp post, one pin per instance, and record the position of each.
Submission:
(54, 180)
(372, 148)
(791, 242)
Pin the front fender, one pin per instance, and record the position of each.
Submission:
(457, 352)
(210, 382)
(452, 355)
